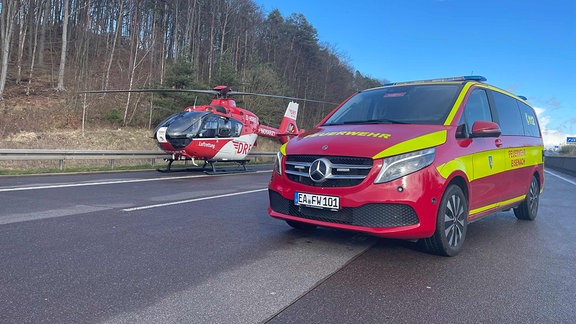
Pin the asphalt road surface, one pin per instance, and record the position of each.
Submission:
(147, 247)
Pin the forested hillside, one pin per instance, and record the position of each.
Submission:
(52, 49)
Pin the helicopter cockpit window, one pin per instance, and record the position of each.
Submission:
(209, 127)
(237, 128)
(224, 127)
(228, 127)
(183, 124)
(218, 126)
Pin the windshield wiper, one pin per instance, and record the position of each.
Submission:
(369, 121)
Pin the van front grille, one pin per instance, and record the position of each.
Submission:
(340, 171)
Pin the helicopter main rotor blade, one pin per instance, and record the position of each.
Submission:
(237, 93)
(212, 92)
(218, 93)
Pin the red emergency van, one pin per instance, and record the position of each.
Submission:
(413, 160)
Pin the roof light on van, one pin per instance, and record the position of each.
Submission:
(478, 78)
(523, 98)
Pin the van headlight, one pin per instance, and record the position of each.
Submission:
(278, 163)
(395, 167)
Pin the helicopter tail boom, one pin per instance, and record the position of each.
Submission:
(287, 125)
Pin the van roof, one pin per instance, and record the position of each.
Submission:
(477, 78)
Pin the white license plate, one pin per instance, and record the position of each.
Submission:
(317, 201)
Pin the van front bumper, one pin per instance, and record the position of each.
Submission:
(405, 208)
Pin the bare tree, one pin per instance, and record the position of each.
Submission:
(225, 17)
(212, 41)
(60, 86)
(135, 32)
(38, 12)
(7, 18)
(45, 25)
(114, 41)
(24, 12)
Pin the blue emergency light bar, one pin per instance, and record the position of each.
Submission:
(478, 78)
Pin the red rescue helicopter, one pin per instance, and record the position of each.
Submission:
(219, 131)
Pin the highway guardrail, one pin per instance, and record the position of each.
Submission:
(566, 164)
(111, 155)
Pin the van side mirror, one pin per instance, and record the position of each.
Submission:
(483, 128)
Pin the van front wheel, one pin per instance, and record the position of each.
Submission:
(451, 224)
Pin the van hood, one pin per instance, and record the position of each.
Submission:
(371, 141)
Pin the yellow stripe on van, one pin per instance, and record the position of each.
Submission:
(492, 162)
(463, 163)
(498, 204)
(524, 156)
(483, 167)
(415, 144)
(458, 102)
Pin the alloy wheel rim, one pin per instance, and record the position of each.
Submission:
(533, 197)
(454, 221)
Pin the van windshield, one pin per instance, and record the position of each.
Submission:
(405, 104)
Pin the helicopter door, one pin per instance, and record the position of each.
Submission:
(228, 127)
(209, 127)
(220, 127)
(224, 127)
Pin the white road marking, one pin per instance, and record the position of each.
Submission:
(45, 214)
(86, 184)
(560, 177)
(194, 200)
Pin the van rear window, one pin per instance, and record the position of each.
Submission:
(409, 104)
(529, 120)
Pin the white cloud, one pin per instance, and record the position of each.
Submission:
(551, 137)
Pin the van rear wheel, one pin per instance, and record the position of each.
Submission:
(528, 209)
(451, 224)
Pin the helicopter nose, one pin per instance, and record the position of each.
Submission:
(178, 141)
(177, 137)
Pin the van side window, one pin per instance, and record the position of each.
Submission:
(508, 114)
(529, 120)
(477, 108)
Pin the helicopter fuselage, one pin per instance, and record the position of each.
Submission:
(219, 131)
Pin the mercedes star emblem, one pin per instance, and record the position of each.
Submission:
(320, 169)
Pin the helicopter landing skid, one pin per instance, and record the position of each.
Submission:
(169, 167)
(208, 167)
(214, 171)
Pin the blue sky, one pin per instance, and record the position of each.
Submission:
(526, 47)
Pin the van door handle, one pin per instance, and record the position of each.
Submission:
(498, 142)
